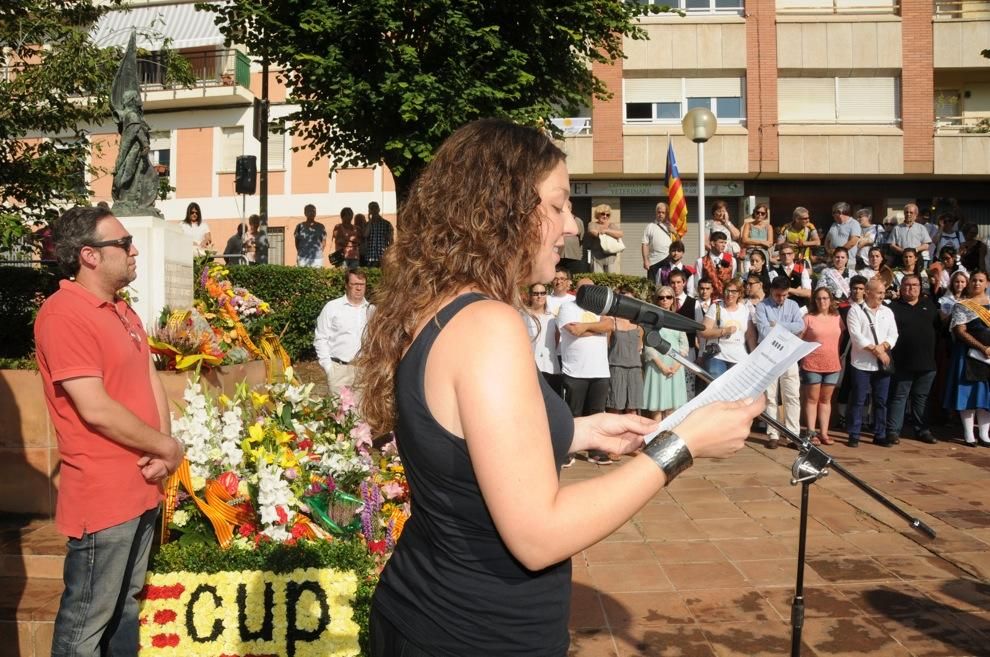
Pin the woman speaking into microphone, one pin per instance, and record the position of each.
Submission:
(483, 565)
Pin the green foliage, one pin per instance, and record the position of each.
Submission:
(55, 82)
(388, 81)
(279, 558)
(50, 67)
(22, 290)
(296, 296)
(643, 288)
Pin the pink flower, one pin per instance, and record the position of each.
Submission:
(347, 399)
(291, 474)
(392, 490)
(362, 437)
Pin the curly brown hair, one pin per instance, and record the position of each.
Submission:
(471, 221)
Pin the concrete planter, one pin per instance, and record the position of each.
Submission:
(29, 457)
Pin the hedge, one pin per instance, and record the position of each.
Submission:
(298, 294)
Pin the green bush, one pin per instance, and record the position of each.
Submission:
(643, 287)
(22, 289)
(278, 558)
(296, 295)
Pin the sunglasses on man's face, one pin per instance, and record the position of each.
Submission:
(124, 243)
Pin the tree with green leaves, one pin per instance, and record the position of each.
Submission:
(53, 83)
(385, 81)
(54, 86)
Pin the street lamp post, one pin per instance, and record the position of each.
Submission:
(699, 125)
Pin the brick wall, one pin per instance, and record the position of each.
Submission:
(761, 84)
(917, 86)
(606, 120)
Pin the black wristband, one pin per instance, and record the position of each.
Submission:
(670, 453)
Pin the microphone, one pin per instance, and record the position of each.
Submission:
(600, 300)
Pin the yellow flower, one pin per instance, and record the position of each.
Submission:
(258, 400)
(224, 400)
(256, 433)
(198, 483)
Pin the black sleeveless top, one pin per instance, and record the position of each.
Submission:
(452, 587)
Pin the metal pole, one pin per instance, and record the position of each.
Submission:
(701, 200)
(263, 175)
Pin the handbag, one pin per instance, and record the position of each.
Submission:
(611, 245)
(889, 367)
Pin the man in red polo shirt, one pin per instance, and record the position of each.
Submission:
(111, 415)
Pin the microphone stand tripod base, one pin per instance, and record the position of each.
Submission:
(811, 465)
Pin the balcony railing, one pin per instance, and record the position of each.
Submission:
(956, 125)
(817, 7)
(572, 126)
(978, 9)
(216, 68)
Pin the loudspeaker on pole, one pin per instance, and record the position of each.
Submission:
(246, 174)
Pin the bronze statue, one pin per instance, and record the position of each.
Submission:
(135, 181)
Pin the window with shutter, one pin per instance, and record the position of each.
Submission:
(848, 100)
(232, 146)
(276, 148)
(665, 100)
(806, 100)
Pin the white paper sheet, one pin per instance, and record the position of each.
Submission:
(750, 378)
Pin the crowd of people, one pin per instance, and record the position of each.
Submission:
(358, 240)
(899, 309)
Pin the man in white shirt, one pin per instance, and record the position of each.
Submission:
(873, 333)
(910, 234)
(845, 232)
(561, 291)
(656, 242)
(584, 362)
(339, 329)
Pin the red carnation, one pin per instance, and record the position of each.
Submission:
(163, 616)
(376, 547)
(165, 640)
(229, 481)
(283, 517)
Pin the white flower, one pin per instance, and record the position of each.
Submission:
(180, 518)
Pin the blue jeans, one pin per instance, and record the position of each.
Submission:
(104, 571)
(863, 383)
(914, 386)
(716, 366)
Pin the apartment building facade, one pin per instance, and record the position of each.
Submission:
(197, 133)
(873, 102)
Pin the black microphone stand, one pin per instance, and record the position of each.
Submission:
(811, 464)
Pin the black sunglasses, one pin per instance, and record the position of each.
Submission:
(124, 243)
(661, 298)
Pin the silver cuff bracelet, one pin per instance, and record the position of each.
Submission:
(670, 453)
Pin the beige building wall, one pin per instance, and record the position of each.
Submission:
(688, 45)
(958, 42)
(841, 150)
(838, 45)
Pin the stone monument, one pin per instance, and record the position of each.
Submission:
(165, 269)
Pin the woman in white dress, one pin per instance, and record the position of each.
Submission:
(197, 230)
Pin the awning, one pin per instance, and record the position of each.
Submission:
(182, 23)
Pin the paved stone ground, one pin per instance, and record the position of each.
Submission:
(707, 568)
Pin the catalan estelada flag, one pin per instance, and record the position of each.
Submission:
(677, 213)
